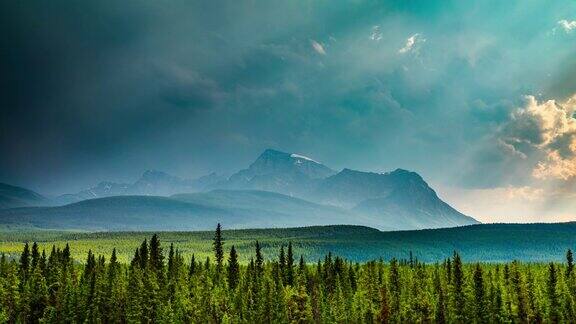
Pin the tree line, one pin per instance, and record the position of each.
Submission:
(159, 287)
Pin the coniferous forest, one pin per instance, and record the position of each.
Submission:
(160, 286)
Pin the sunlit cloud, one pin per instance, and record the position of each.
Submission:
(567, 25)
(318, 47)
(412, 43)
(550, 128)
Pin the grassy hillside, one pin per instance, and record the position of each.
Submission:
(489, 242)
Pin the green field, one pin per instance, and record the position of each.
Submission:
(486, 242)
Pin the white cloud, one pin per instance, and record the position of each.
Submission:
(549, 127)
(567, 25)
(412, 44)
(524, 193)
(376, 34)
(318, 47)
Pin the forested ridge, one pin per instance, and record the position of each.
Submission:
(495, 243)
(160, 286)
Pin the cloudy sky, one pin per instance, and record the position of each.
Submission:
(477, 96)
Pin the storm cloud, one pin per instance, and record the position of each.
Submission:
(104, 90)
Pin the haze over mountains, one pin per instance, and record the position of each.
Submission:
(12, 197)
(277, 190)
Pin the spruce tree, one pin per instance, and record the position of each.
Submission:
(282, 263)
(233, 269)
(394, 283)
(290, 265)
(156, 258)
(259, 259)
(25, 262)
(66, 257)
(136, 262)
(479, 295)
(218, 246)
(570, 263)
(518, 286)
(35, 256)
(458, 296)
(143, 253)
(553, 304)
(384, 312)
(192, 268)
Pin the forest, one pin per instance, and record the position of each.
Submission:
(160, 285)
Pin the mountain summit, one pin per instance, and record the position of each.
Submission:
(281, 172)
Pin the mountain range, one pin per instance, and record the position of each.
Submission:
(277, 190)
(151, 183)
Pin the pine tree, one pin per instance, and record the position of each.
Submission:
(143, 253)
(25, 262)
(192, 268)
(394, 282)
(298, 308)
(553, 305)
(479, 295)
(259, 260)
(384, 313)
(282, 263)
(459, 298)
(570, 263)
(518, 287)
(156, 258)
(172, 272)
(218, 248)
(233, 269)
(66, 257)
(115, 286)
(290, 265)
(136, 261)
(440, 314)
(35, 256)
(37, 296)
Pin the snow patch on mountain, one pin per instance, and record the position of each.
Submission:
(298, 156)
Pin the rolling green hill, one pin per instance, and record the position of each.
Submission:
(484, 242)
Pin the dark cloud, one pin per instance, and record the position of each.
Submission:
(104, 90)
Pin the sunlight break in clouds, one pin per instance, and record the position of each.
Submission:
(411, 43)
(550, 128)
(318, 47)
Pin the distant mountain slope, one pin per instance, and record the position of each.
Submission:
(400, 198)
(182, 212)
(115, 213)
(12, 197)
(297, 211)
(151, 183)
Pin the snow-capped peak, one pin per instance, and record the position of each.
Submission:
(298, 156)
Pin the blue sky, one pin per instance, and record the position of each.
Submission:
(474, 95)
